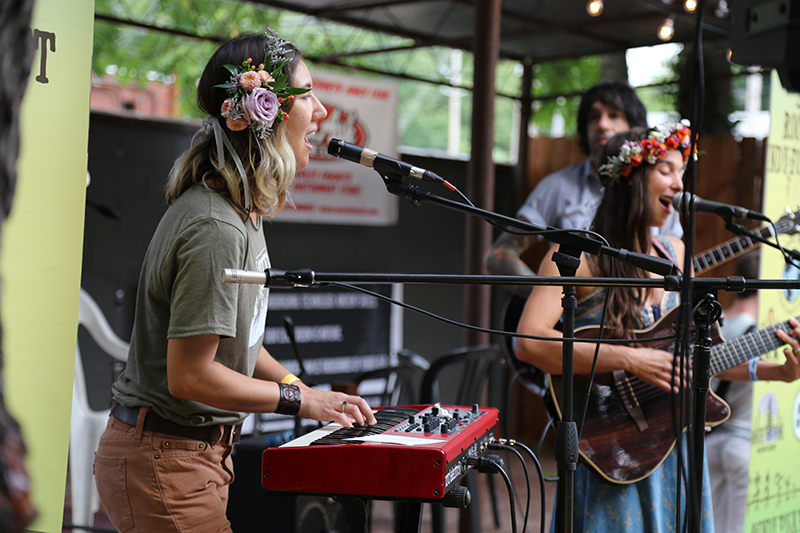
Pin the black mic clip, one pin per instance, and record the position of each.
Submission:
(411, 192)
(288, 279)
(736, 229)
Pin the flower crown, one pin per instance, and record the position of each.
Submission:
(675, 136)
(257, 93)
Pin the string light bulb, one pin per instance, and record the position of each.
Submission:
(690, 5)
(594, 7)
(667, 29)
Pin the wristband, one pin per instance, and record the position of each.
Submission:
(289, 379)
(289, 401)
(751, 367)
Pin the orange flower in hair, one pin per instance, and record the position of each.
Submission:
(655, 146)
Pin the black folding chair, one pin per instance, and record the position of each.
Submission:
(459, 378)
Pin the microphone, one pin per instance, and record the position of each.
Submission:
(384, 164)
(686, 202)
(271, 277)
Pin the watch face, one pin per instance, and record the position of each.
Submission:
(291, 393)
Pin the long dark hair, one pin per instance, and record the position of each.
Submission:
(624, 218)
(269, 163)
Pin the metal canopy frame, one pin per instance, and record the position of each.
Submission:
(528, 31)
(533, 31)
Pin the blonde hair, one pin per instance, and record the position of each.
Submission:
(269, 163)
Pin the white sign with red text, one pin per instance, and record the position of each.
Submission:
(336, 191)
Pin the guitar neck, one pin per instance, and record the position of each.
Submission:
(736, 351)
(727, 251)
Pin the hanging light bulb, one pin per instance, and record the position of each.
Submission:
(594, 7)
(722, 10)
(690, 5)
(667, 29)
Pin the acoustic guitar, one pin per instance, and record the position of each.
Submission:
(629, 427)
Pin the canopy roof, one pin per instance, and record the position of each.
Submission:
(534, 30)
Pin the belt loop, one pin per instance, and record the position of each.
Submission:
(225, 439)
(140, 422)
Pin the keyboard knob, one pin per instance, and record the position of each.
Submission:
(458, 497)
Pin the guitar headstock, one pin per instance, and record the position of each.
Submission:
(790, 222)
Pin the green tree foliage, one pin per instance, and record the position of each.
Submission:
(569, 78)
(136, 55)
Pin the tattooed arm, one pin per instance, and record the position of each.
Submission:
(504, 260)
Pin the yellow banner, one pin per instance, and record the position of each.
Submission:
(773, 500)
(42, 245)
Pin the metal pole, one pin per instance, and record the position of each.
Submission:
(480, 177)
(523, 150)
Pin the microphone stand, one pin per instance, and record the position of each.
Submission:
(738, 229)
(567, 445)
(706, 313)
(567, 261)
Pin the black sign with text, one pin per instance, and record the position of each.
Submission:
(340, 333)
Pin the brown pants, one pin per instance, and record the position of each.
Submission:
(152, 482)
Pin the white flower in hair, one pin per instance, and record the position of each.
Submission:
(659, 141)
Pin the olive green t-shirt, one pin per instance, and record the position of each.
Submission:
(181, 294)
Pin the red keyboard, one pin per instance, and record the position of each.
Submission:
(415, 452)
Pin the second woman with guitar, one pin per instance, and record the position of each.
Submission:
(643, 170)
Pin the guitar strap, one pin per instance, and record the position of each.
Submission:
(662, 249)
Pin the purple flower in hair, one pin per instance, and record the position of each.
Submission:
(261, 105)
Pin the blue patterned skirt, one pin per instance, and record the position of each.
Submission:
(647, 506)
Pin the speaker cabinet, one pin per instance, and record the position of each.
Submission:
(767, 33)
(252, 510)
